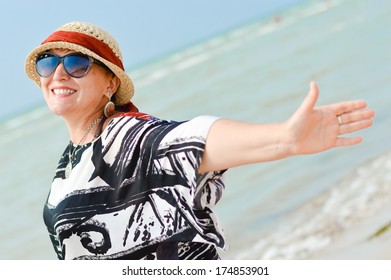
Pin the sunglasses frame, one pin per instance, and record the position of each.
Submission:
(60, 59)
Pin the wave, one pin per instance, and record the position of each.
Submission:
(318, 223)
(226, 42)
(30, 122)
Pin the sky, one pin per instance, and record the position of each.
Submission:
(144, 29)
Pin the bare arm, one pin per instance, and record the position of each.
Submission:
(309, 130)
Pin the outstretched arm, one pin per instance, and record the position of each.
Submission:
(309, 130)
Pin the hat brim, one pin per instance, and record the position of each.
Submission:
(125, 90)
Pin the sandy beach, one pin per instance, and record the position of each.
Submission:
(366, 234)
(349, 221)
(355, 243)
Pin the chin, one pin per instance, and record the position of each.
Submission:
(59, 110)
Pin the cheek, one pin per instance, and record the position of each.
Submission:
(44, 82)
(44, 87)
(96, 84)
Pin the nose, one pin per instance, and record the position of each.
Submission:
(60, 73)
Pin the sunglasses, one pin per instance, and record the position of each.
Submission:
(76, 65)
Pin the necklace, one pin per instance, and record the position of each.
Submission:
(69, 166)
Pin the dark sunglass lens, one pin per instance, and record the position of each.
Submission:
(77, 65)
(46, 64)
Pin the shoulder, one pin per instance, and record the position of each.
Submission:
(137, 115)
(138, 122)
(121, 116)
(134, 123)
(126, 117)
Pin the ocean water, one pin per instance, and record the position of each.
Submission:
(259, 72)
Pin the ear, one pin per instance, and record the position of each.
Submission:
(113, 84)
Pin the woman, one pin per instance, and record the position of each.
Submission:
(132, 186)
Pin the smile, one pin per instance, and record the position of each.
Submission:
(60, 91)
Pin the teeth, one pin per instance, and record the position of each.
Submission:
(61, 91)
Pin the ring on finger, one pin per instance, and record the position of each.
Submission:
(339, 120)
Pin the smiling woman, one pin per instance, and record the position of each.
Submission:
(139, 187)
(69, 91)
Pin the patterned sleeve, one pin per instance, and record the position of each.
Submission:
(181, 149)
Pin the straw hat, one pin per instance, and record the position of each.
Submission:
(93, 41)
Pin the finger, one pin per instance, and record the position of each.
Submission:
(311, 98)
(348, 106)
(342, 142)
(356, 116)
(355, 126)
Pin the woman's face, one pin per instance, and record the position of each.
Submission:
(68, 97)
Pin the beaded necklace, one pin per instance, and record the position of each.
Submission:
(69, 166)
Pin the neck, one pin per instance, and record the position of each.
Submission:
(84, 130)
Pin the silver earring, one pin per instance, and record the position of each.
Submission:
(110, 107)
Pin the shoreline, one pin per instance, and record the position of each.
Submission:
(367, 233)
(356, 243)
(351, 220)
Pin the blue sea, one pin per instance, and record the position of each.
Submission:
(259, 72)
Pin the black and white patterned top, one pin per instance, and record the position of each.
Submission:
(135, 193)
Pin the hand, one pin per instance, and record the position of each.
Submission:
(310, 130)
(316, 129)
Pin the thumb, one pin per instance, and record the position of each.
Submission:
(311, 98)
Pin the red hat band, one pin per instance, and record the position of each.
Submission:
(93, 44)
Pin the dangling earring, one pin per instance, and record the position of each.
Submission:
(110, 107)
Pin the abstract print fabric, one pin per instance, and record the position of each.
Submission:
(135, 191)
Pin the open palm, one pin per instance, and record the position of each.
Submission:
(315, 129)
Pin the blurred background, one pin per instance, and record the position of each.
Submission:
(247, 60)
